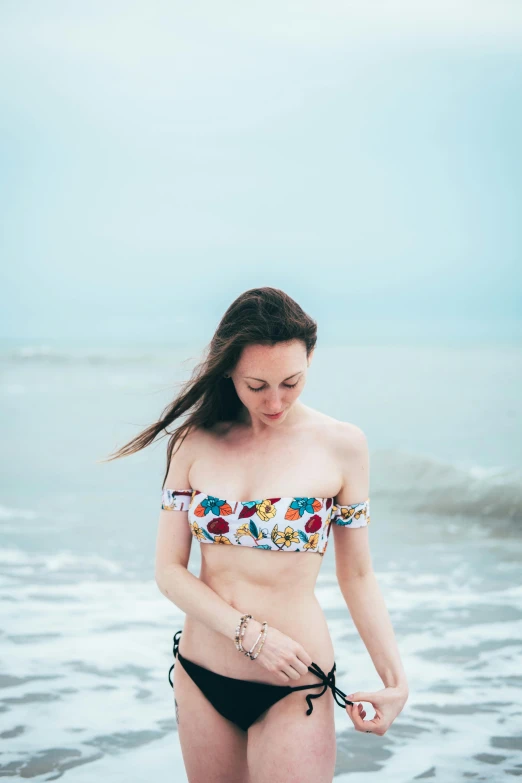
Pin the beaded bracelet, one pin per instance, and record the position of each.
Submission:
(263, 637)
(250, 654)
(240, 632)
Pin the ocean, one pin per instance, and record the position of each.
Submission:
(87, 636)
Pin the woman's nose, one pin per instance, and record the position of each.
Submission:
(273, 403)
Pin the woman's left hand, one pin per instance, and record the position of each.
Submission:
(387, 704)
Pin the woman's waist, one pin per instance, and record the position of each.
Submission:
(302, 619)
(234, 573)
(240, 589)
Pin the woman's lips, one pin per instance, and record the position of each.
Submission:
(274, 415)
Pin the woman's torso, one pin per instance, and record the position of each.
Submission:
(274, 586)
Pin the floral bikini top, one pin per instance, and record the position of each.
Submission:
(297, 524)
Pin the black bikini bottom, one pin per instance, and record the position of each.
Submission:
(243, 701)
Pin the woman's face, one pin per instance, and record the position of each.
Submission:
(269, 378)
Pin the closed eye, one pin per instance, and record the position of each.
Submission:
(288, 386)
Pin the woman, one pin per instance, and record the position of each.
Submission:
(253, 468)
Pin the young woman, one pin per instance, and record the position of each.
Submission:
(261, 480)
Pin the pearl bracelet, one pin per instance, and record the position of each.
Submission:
(250, 654)
(240, 632)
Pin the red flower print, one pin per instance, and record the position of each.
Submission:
(218, 526)
(313, 524)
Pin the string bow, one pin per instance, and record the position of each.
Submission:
(327, 681)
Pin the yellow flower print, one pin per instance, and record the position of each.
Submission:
(312, 542)
(266, 510)
(347, 512)
(243, 530)
(289, 536)
(197, 531)
(221, 540)
(357, 515)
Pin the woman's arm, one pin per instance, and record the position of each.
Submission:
(188, 592)
(366, 605)
(173, 545)
(356, 578)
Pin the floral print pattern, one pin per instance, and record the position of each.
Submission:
(176, 499)
(358, 513)
(214, 505)
(291, 524)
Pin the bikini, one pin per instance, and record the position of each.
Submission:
(286, 524)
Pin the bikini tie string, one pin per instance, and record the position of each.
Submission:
(327, 681)
(175, 648)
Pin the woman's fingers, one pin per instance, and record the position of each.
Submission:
(300, 666)
(291, 673)
(357, 718)
(358, 715)
(353, 712)
(387, 704)
(303, 656)
(295, 668)
(373, 725)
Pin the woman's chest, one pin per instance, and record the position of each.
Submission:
(278, 469)
(273, 495)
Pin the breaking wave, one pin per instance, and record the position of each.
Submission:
(425, 484)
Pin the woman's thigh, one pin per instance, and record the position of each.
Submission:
(214, 750)
(288, 746)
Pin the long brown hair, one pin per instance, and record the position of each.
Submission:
(259, 315)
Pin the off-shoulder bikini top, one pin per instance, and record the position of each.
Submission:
(291, 524)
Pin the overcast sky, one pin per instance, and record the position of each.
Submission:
(158, 158)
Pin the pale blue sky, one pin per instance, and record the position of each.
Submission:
(158, 158)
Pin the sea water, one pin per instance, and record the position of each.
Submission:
(87, 636)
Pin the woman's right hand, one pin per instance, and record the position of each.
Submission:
(281, 656)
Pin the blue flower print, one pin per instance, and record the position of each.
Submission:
(212, 504)
(302, 505)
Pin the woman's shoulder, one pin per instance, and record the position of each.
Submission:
(341, 435)
(190, 443)
(347, 446)
(198, 439)
(183, 451)
(187, 447)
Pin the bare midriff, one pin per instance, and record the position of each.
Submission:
(276, 587)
